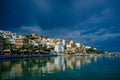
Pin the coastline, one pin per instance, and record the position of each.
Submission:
(15, 56)
(25, 56)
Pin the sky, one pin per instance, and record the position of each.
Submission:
(93, 23)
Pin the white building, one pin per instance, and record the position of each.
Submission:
(63, 41)
(10, 40)
(35, 44)
(68, 46)
(95, 48)
(48, 44)
(44, 41)
(87, 47)
(71, 42)
(77, 44)
(59, 47)
(19, 36)
(7, 34)
(13, 35)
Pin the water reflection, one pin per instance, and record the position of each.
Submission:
(41, 66)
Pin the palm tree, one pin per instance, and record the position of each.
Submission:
(22, 49)
(31, 48)
(6, 46)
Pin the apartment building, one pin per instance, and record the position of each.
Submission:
(21, 41)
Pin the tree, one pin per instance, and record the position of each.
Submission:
(31, 48)
(100, 52)
(91, 51)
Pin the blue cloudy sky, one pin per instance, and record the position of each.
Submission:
(91, 22)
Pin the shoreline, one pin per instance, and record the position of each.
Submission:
(15, 56)
(25, 56)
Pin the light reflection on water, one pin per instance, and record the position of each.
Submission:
(61, 68)
(41, 66)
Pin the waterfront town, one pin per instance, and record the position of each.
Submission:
(11, 43)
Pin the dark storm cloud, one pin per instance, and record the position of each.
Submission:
(88, 21)
(49, 13)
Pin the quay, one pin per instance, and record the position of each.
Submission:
(25, 56)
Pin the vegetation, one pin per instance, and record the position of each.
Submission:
(94, 51)
(100, 51)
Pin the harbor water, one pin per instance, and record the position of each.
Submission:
(69, 67)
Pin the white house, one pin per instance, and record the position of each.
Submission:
(44, 41)
(59, 47)
(13, 35)
(36, 44)
(10, 40)
(68, 46)
(63, 41)
(71, 42)
(77, 44)
(87, 47)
